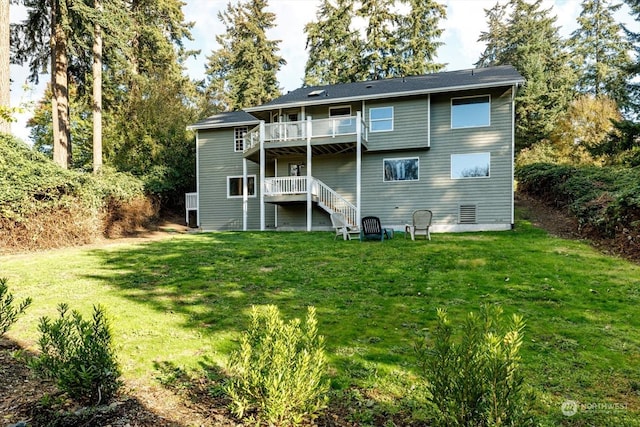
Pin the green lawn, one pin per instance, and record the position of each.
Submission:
(183, 302)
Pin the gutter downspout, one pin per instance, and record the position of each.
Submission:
(513, 152)
(197, 179)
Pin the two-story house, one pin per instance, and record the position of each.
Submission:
(443, 141)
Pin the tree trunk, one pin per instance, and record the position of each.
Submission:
(60, 88)
(5, 87)
(97, 93)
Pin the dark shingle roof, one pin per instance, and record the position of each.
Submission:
(222, 120)
(504, 75)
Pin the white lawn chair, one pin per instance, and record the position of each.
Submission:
(339, 224)
(421, 224)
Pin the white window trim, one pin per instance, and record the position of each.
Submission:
(381, 120)
(336, 107)
(469, 177)
(235, 140)
(474, 126)
(229, 177)
(401, 158)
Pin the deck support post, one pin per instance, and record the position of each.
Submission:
(245, 194)
(358, 166)
(309, 175)
(262, 172)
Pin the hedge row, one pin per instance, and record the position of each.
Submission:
(605, 200)
(43, 205)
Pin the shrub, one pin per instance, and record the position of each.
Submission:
(277, 374)
(78, 355)
(476, 381)
(8, 311)
(44, 206)
(604, 200)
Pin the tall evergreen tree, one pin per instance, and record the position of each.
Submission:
(243, 71)
(381, 54)
(97, 90)
(55, 34)
(334, 48)
(400, 38)
(495, 38)
(5, 87)
(532, 44)
(418, 34)
(600, 53)
(633, 70)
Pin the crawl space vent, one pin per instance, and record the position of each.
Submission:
(467, 214)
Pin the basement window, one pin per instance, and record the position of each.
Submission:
(234, 186)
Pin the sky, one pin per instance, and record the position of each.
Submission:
(462, 27)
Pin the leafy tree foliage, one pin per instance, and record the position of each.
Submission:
(399, 39)
(243, 71)
(600, 52)
(528, 39)
(583, 128)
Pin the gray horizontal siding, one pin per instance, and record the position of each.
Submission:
(435, 190)
(410, 125)
(393, 202)
(216, 161)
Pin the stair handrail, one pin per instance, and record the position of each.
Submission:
(332, 201)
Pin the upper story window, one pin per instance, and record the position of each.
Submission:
(238, 138)
(235, 184)
(340, 111)
(472, 111)
(381, 119)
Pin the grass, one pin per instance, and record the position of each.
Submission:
(183, 302)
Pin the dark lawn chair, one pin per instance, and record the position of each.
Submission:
(372, 229)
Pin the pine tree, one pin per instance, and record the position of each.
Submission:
(530, 41)
(334, 48)
(495, 38)
(381, 54)
(600, 53)
(243, 71)
(400, 38)
(418, 35)
(5, 87)
(633, 71)
(55, 34)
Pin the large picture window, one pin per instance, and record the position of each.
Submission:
(238, 138)
(234, 186)
(475, 165)
(473, 111)
(407, 169)
(381, 119)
